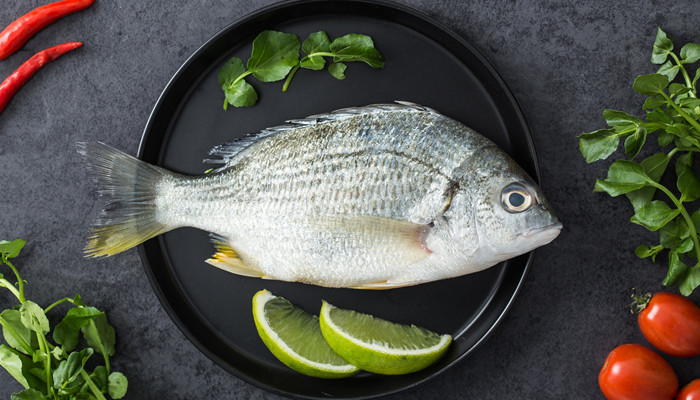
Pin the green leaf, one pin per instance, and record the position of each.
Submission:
(689, 185)
(665, 138)
(66, 333)
(356, 47)
(33, 317)
(689, 102)
(676, 89)
(654, 215)
(669, 69)
(663, 44)
(650, 85)
(28, 394)
(99, 376)
(634, 143)
(623, 177)
(676, 269)
(689, 281)
(274, 55)
(230, 72)
(690, 53)
(100, 335)
(620, 118)
(78, 301)
(117, 385)
(13, 364)
(240, 93)
(15, 333)
(654, 166)
(695, 79)
(598, 145)
(11, 249)
(317, 42)
(644, 251)
(337, 70)
(659, 116)
(683, 162)
(674, 234)
(69, 370)
(654, 102)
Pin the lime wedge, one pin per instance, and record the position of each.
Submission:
(295, 338)
(380, 346)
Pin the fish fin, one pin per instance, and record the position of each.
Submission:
(371, 233)
(228, 260)
(227, 154)
(129, 185)
(383, 285)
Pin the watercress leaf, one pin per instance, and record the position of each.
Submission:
(619, 118)
(13, 364)
(673, 234)
(99, 376)
(78, 301)
(11, 249)
(66, 333)
(117, 385)
(689, 102)
(654, 102)
(337, 70)
(665, 138)
(683, 162)
(274, 55)
(654, 166)
(598, 145)
(654, 215)
(33, 317)
(72, 387)
(28, 394)
(669, 69)
(634, 142)
(100, 335)
(623, 177)
(644, 251)
(690, 53)
(659, 116)
(650, 85)
(676, 269)
(685, 246)
(317, 42)
(689, 185)
(676, 89)
(689, 281)
(230, 72)
(695, 79)
(356, 47)
(241, 94)
(663, 44)
(16, 334)
(69, 370)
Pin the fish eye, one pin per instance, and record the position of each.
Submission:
(516, 198)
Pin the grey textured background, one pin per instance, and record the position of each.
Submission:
(564, 61)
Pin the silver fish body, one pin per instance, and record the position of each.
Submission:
(375, 197)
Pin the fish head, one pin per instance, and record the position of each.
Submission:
(499, 212)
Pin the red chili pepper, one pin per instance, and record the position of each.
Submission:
(11, 85)
(19, 31)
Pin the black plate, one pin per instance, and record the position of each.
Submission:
(425, 64)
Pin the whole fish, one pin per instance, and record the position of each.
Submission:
(372, 197)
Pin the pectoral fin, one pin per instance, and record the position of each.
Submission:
(228, 260)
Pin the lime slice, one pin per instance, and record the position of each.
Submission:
(380, 346)
(295, 338)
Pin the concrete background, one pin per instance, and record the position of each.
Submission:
(564, 61)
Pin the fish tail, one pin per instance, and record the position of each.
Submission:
(130, 185)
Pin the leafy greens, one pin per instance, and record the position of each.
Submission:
(275, 55)
(48, 371)
(672, 110)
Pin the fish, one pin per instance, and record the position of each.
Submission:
(374, 197)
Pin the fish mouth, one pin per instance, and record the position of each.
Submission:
(544, 234)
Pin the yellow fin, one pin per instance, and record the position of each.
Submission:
(383, 285)
(228, 260)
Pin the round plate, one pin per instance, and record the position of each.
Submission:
(425, 64)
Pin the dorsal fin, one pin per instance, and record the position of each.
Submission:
(225, 154)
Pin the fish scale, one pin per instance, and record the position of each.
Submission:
(373, 197)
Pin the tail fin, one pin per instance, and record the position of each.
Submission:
(129, 184)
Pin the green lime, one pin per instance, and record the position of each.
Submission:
(380, 346)
(294, 337)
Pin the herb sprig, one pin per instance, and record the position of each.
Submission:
(275, 56)
(49, 371)
(673, 111)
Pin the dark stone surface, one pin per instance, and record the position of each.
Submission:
(564, 61)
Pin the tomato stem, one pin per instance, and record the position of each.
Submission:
(640, 302)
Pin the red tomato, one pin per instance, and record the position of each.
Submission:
(634, 372)
(690, 391)
(671, 323)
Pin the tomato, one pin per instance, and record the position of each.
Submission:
(690, 391)
(634, 372)
(671, 323)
